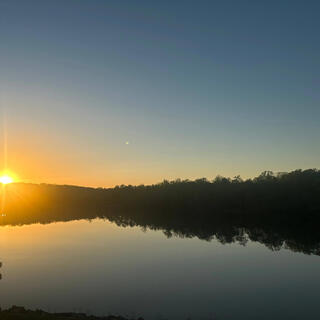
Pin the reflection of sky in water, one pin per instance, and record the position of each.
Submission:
(102, 268)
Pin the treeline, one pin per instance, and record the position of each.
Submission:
(276, 209)
(269, 193)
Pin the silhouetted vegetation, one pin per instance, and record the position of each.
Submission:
(20, 313)
(278, 210)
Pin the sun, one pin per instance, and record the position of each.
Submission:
(6, 179)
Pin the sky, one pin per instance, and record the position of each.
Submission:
(102, 93)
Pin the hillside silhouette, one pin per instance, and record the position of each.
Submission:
(278, 210)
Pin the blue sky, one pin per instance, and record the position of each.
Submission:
(197, 88)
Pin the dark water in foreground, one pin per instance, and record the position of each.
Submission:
(100, 268)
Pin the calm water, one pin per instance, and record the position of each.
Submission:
(100, 268)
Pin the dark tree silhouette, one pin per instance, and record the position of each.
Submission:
(279, 210)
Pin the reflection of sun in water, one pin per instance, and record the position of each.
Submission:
(5, 179)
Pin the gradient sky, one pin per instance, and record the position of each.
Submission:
(196, 88)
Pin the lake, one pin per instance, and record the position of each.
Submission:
(98, 267)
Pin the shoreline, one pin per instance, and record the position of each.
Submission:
(20, 313)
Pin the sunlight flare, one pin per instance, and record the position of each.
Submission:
(6, 179)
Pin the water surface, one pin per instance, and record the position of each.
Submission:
(101, 268)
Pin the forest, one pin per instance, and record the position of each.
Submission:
(278, 210)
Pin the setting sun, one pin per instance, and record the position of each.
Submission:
(5, 179)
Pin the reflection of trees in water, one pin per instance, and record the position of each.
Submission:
(276, 210)
(273, 237)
